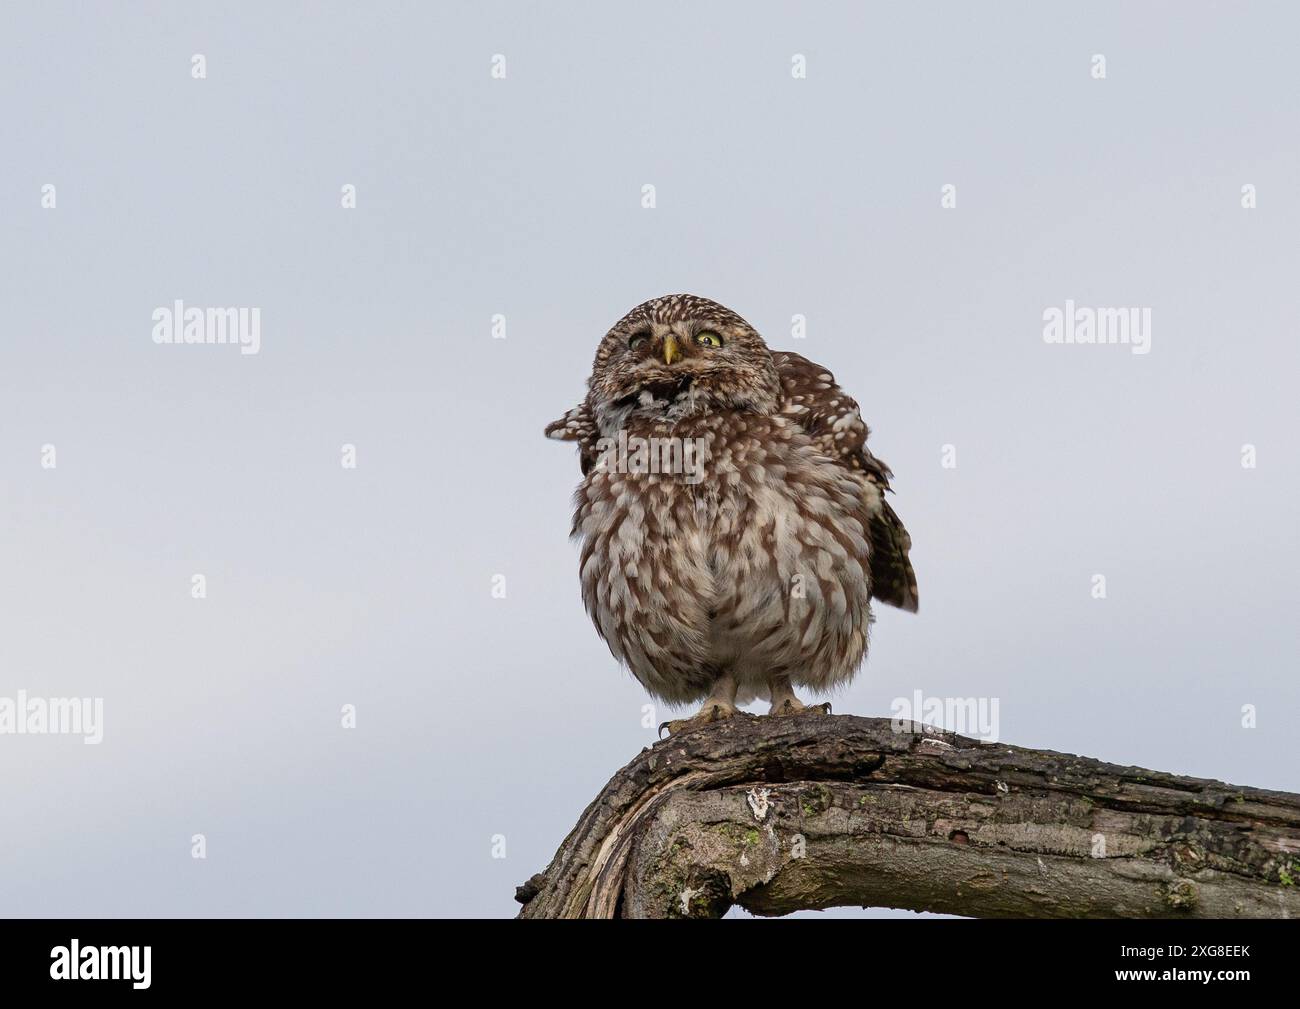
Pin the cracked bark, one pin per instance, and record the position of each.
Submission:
(816, 811)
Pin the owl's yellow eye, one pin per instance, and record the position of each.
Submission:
(637, 340)
(708, 338)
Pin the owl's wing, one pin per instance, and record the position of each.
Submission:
(830, 417)
(580, 426)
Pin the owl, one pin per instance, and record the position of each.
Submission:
(732, 521)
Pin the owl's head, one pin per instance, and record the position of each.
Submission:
(677, 356)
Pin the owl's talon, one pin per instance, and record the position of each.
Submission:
(793, 706)
(713, 711)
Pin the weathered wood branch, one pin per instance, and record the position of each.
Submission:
(816, 811)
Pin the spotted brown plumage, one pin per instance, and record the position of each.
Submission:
(747, 566)
(831, 417)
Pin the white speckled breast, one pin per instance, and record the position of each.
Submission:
(760, 568)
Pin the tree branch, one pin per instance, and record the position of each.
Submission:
(816, 811)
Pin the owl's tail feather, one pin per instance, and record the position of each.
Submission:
(893, 581)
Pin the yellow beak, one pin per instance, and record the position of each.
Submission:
(671, 351)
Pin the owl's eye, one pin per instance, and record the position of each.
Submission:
(708, 338)
(637, 340)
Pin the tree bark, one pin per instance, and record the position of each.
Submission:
(778, 814)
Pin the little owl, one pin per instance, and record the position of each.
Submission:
(733, 523)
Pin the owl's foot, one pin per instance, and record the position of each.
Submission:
(793, 706)
(714, 710)
(784, 701)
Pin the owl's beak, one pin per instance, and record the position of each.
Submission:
(672, 351)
